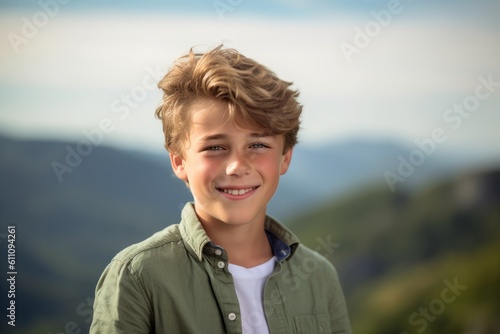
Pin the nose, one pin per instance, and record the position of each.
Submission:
(238, 165)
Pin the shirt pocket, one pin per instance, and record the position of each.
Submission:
(311, 324)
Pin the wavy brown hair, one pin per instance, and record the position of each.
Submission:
(254, 95)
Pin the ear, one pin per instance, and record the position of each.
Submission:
(286, 158)
(178, 166)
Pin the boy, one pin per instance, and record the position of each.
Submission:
(230, 127)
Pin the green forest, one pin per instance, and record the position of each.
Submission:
(399, 253)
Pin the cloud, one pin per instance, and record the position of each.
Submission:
(399, 85)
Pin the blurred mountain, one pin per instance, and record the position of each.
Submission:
(68, 228)
(321, 173)
(426, 259)
(68, 231)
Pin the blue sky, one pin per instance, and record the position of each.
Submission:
(480, 9)
(77, 68)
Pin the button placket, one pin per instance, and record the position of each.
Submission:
(223, 288)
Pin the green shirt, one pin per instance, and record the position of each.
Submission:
(177, 281)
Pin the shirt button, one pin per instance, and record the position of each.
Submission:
(218, 252)
(221, 265)
(231, 316)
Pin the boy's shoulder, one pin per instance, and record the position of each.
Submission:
(170, 245)
(314, 258)
(153, 247)
(313, 264)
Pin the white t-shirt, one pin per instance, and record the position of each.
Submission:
(249, 285)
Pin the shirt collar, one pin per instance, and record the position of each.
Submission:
(192, 232)
(283, 241)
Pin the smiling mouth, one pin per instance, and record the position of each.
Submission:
(236, 192)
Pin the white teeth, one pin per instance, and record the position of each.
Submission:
(236, 191)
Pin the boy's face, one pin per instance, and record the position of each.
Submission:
(232, 172)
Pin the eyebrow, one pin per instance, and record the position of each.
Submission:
(219, 136)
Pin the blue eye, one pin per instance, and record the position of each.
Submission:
(259, 145)
(214, 148)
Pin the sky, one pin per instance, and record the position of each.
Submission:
(375, 70)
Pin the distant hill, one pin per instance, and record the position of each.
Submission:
(68, 231)
(395, 251)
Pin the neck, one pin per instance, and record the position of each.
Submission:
(247, 245)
